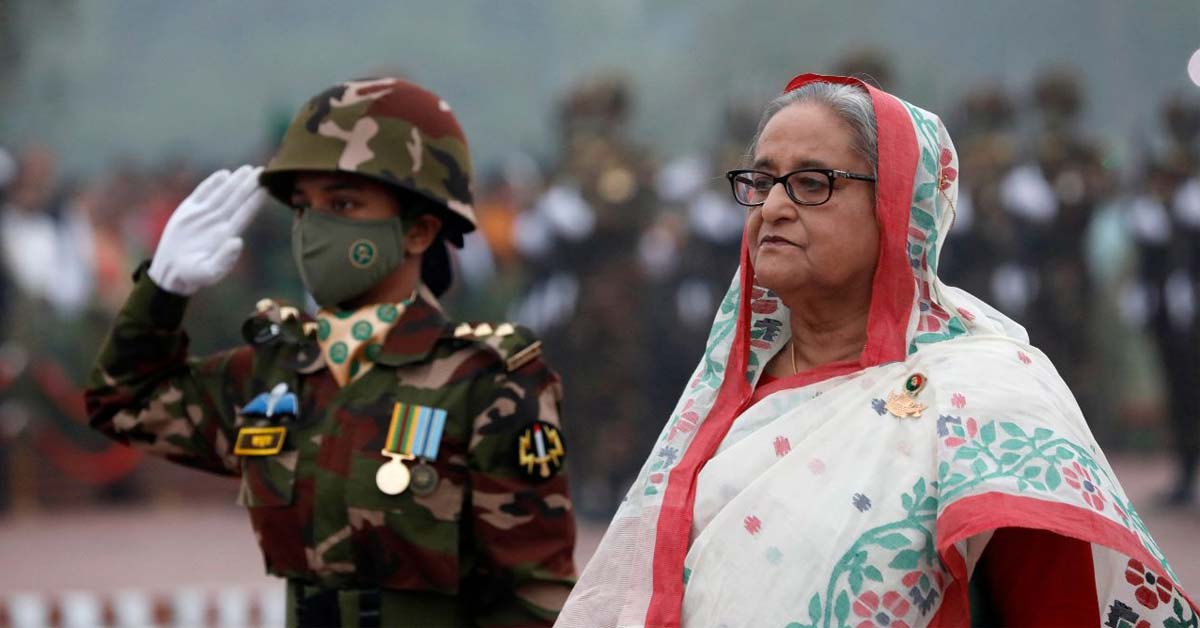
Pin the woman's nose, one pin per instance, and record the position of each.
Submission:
(778, 206)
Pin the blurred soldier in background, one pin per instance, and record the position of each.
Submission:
(870, 65)
(1165, 223)
(48, 248)
(1051, 198)
(35, 227)
(983, 257)
(399, 469)
(8, 172)
(582, 235)
(494, 276)
(691, 249)
(8, 370)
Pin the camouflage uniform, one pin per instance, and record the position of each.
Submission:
(488, 544)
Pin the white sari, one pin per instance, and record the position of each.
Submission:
(812, 502)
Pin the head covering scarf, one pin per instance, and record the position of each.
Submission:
(810, 503)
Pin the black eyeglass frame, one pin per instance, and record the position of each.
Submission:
(830, 173)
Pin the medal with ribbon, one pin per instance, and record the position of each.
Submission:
(415, 433)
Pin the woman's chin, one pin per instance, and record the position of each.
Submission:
(778, 280)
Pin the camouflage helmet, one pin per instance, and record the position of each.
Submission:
(389, 130)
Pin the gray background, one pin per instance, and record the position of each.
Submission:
(147, 78)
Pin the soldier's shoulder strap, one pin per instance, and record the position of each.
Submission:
(516, 346)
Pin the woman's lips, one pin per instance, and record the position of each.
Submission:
(773, 240)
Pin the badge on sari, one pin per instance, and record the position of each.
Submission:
(904, 405)
(540, 451)
(415, 433)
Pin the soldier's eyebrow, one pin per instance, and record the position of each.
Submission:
(342, 186)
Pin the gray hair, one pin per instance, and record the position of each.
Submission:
(850, 102)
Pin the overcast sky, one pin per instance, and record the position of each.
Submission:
(147, 78)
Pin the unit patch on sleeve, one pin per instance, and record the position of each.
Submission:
(539, 451)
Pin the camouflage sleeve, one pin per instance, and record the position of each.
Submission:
(522, 522)
(144, 391)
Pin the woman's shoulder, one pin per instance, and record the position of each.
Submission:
(998, 378)
(1011, 375)
(983, 357)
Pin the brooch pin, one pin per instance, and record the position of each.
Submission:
(905, 405)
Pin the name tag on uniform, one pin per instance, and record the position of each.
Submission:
(260, 441)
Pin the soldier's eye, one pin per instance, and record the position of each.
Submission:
(342, 205)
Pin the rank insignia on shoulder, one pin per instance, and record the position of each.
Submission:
(260, 441)
(524, 356)
(539, 451)
(277, 402)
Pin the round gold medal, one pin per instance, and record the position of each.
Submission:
(392, 478)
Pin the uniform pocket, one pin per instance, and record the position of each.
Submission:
(268, 480)
(407, 541)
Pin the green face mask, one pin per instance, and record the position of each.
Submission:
(340, 258)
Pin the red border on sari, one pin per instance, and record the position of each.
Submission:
(977, 514)
(887, 327)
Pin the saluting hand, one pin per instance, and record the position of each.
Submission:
(202, 240)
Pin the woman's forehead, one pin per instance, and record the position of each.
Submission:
(806, 135)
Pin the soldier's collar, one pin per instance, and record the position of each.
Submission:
(416, 333)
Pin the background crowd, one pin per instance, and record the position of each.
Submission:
(617, 254)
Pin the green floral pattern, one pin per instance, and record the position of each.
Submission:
(1036, 461)
(905, 550)
(891, 575)
(932, 206)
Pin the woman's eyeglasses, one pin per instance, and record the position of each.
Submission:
(807, 186)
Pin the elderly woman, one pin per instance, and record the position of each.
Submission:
(861, 444)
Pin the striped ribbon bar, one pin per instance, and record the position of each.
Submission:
(416, 431)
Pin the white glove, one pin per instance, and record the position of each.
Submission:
(202, 239)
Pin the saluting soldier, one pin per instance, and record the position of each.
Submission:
(399, 469)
